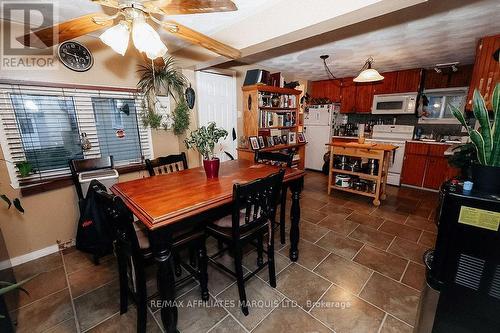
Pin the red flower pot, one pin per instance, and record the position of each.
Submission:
(211, 167)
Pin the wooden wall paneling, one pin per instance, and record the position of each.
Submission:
(462, 77)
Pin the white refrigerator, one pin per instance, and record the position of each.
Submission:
(318, 123)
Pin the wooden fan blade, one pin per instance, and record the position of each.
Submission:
(64, 31)
(175, 7)
(200, 39)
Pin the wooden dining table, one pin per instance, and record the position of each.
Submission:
(169, 202)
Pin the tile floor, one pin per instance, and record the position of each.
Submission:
(360, 270)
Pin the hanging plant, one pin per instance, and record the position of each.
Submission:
(180, 117)
(163, 79)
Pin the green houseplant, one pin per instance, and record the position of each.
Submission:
(486, 171)
(166, 79)
(204, 140)
(24, 168)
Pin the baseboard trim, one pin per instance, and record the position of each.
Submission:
(29, 256)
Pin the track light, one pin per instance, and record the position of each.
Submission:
(438, 70)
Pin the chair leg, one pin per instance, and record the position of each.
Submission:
(282, 214)
(123, 280)
(202, 269)
(177, 265)
(270, 260)
(260, 249)
(239, 278)
(142, 298)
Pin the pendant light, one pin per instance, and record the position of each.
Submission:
(368, 74)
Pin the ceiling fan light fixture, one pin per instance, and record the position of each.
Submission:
(368, 74)
(147, 40)
(117, 37)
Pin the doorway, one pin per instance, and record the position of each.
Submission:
(217, 102)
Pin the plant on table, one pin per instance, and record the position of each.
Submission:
(486, 140)
(164, 78)
(204, 140)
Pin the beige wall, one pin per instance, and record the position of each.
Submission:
(53, 215)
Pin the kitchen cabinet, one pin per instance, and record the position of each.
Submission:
(348, 96)
(326, 89)
(387, 85)
(450, 79)
(408, 80)
(425, 165)
(364, 97)
(486, 72)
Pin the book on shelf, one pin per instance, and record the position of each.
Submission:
(285, 101)
(275, 119)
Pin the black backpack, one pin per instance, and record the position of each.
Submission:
(94, 235)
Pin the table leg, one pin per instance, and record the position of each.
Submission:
(161, 242)
(282, 213)
(296, 187)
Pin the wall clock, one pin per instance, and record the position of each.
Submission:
(75, 56)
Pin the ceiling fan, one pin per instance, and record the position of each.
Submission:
(133, 18)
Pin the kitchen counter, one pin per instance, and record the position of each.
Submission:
(370, 146)
(435, 142)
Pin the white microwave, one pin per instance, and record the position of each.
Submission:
(404, 103)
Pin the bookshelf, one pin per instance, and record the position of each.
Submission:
(272, 111)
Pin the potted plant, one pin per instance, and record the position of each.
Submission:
(167, 79)
(485, 171)
(25, 169)
(204, 140)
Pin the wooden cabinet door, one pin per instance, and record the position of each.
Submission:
(486, 71)
(408, 80)
(318, 89)
(364, 97)
(387, 85)
(348, 96)
(413, 169)
(436, 173)
(332, 90)
(416, 148)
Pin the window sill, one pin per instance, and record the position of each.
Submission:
(67, 181)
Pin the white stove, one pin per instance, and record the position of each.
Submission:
(395, 135)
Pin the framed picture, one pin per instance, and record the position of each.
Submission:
(262, 144)
(270, 141)
(301, 138)
(276, 140)
(254, 142)
(284, 139)
(292, 138)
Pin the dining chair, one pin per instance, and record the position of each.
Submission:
(167, 164)
(253, 215)
(133, 252)
(282, 160)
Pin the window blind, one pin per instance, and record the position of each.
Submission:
(44, 125)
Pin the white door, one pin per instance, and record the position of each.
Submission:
(217, 102)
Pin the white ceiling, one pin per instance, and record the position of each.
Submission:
(443, 37)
